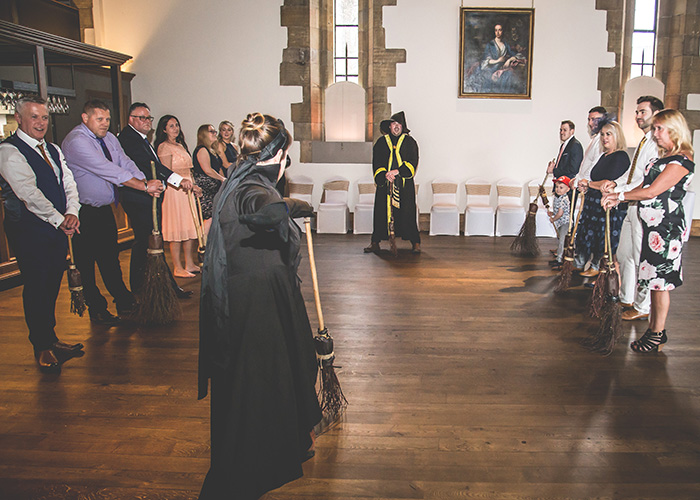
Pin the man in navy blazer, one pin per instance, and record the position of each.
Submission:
(568, 160)
(136, 203)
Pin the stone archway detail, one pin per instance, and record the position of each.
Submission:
(307, 61)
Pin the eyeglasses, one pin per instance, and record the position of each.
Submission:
(212, 131)
(143, 118)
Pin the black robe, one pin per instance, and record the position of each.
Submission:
(406, 161)
(262, 365)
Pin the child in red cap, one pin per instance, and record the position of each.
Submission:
(559, 215)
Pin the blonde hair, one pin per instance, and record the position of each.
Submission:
(678, 130)
(620, 142)
(221, 125)
(257, 131)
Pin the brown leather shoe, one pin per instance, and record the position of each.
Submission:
(632, 314)
(372, 248)
(626, 305)
(47, 362)
(591, 273)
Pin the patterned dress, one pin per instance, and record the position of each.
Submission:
(209, 185)
(664, 226)
(590, 237)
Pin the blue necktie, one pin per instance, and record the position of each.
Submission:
(104, 148)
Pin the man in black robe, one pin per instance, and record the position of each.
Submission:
(394, 163)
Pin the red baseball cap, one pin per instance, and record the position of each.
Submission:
(564, 180)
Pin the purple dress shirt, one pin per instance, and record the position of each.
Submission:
(96, 176)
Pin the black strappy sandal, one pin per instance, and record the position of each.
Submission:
(650, 342)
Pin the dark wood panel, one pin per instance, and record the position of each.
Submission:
(464, 374)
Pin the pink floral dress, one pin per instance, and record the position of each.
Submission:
(664, 226)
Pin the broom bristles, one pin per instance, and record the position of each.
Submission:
(564, 279)
(610, 330)
(392, 245)
(156, 303)
(525, 243)
(77, 302)
(600, 292)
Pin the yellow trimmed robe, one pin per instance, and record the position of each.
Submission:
(391, 153)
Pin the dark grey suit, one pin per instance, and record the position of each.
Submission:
(570, 160)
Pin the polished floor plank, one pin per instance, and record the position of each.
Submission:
(463, 370)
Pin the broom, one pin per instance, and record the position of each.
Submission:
(567, 268)
(600, 290)
(331, 396)
(609, 331)
(196, 218)
(393, 202)
(525, 243)
(202, 248)
(75, 283)
(156, 303)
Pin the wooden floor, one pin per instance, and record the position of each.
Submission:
(464, 374)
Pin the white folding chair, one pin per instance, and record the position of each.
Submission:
(301, 188)
(363, 215)
(479, 216)
(333, 212)
(544, 227)
(444, 214)
(510, 212)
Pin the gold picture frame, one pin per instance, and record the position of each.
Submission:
(495, 53)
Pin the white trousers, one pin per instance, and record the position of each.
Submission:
(628, 252)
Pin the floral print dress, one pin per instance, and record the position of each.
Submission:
(664, 226)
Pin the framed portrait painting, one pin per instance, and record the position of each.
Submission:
(495, 53)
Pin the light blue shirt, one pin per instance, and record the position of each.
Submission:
(97, 177)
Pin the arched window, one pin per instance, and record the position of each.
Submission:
(643, 59)
(346, 41)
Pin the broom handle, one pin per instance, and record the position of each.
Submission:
(608, 244)
(195, 219)
(578, 217)
(155, 201)
(70, 250)
(201, 220)
(314, 276)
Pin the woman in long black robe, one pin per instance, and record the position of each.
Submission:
(256, 343)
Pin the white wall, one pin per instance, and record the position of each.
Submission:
(206, 65)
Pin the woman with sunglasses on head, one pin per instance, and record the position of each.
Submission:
(209, 160)
(661, 210)
(256, 344)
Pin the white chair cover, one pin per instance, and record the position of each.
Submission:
(688, 206)
(301, 187)
(444, 214)
(363, 216)
(510, 212)
(333, 211)
(479, 216)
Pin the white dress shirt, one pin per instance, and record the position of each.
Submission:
(15, 169)
(174, 179)
(649, 152)
(593, 153)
